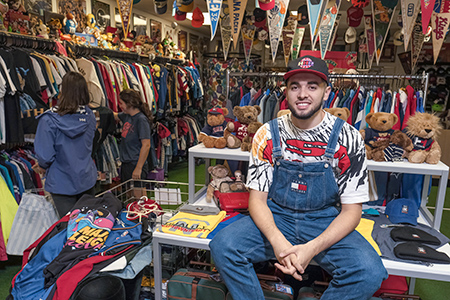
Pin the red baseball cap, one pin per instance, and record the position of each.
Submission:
(354, 16)
(216, 111)
(197, 18)
(180, 15)
(266, 4)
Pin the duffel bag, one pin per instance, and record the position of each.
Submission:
(273, 288)
(195, 284)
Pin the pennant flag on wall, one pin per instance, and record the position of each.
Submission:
(382, 11)
(417, 39)
(370, 38)
(439, 22)
(427, 9)
(327, 24)
(297, 41)
(288, 33)
(313, 15)
(225, 30)
(333, 33)
(248, 33)
(237, 8)
(275, 19)
(125, 7)
(214, 14)
(410, 10)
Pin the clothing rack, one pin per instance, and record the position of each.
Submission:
(424, 77)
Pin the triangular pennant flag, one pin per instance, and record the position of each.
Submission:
(225, 30)
(125, 7)
(427, 9)
(214, 14)
(333, 33)
(417, 39)
(327, 24)
(439, 23)
(237, 8)
(288, 33)
(248, 34)
(275, 19)
(297, 41)
(370, 38)
(410, 10)
(315, 10)
(382, 11)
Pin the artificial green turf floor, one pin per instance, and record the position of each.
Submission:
(178, 172)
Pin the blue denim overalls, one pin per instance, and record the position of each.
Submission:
(304, 200)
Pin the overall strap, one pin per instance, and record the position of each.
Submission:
(276, 142)
(329, 152)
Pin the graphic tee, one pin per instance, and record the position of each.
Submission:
(349, 163)
(135, 128)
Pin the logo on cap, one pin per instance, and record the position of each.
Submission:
(421, 250)
(306, 63)
(404, 209)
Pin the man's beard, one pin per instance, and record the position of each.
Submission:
(307, 115)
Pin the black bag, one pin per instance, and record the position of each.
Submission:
(420, 252)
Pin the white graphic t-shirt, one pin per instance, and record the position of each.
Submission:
(349, 164)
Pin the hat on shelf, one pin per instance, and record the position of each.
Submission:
(354, 16)
(186, 5)
(302, 15)
(398, 38)
(402, 210)
(307, 64)
(160, 7)
(197, 18)
(260, 17)
(350, 35)
(180, 15)
(266, 4)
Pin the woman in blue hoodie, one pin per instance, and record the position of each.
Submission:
(63, 144)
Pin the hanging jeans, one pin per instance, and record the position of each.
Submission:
(301, 214)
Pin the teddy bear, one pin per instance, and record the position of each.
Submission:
(423, 129)
(212, 134)
(219, 174)
(245, 127)
(340, 112)
(380, 136)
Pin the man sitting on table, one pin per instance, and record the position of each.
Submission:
(308, 180)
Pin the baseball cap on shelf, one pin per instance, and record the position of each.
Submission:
(186, 5)
(215, 111)
(160, 7)
(266, 4)
(260, 17)
(197, 18)
(360, 3)
(350, 35)
(302, 15)
(180, 15)
(354, 16)
(307, 64)
(398, 38)
(402, 210)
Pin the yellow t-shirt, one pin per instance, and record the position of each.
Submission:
(186, 224)
(365, 228)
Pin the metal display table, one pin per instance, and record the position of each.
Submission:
(439, 272)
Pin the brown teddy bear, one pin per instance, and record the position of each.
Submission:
(212, 135)
(219, 174)
(381, 137)
(340, 112)
(245, 127)
(423, 129)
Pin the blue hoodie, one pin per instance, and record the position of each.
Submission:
(63, 147)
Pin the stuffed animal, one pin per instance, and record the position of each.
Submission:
(340, 112)
(3, 10)
(423, 129)
(245, 127)
(40, 30)
(380, 136)
(219, 174)
(70, 25)
(212, 135)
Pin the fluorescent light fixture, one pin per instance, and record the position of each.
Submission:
(207, 20)
(118, 19)
(294, 12)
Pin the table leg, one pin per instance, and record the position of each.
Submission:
(191, 173)
(157, 268)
